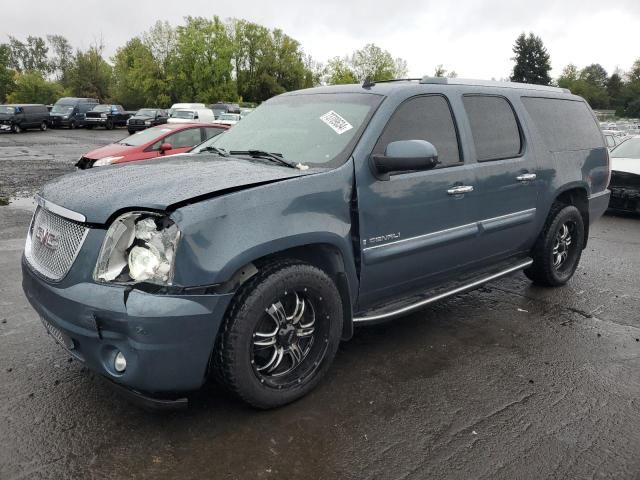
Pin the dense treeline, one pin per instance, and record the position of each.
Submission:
(209, 60)
(619, 91)
(203, 60)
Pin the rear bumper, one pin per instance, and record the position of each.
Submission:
(167, 340)
(626, 199)
(598, 204)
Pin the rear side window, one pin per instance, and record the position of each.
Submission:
(424, 118)
(564, 125)
(494, 127)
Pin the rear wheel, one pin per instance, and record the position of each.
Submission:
(280, 334)
(43, 126)
(557, 252)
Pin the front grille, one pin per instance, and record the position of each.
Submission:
(53, 242)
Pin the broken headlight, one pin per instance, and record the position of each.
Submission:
(138, 247)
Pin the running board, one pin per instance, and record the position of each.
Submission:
(375, 318)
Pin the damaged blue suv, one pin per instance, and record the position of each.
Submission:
(324, 209)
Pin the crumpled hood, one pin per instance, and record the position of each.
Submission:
(158, 184)
(627, 165)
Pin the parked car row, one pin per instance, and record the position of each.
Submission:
(74, 112)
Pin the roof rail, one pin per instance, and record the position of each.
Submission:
(368, 83)
(490, 83)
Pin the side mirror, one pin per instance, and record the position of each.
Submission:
(195, 117)
(165, 146)
(405, 156)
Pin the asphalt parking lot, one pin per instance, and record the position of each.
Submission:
(510, 381)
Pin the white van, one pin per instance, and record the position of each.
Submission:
(192, 115)
(185, 106)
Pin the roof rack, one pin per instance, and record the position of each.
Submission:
(490, 83)
(368, 83)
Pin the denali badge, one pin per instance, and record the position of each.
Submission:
(382, 239)
(47, 238)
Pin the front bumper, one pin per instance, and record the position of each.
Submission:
(166, 339)
(95, 121)
(59, 121)
(138, 127)
(626, 199)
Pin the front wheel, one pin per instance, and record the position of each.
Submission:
(109, 125)
(15, 128)
(73, 125)
(557, 252)
(280, 334)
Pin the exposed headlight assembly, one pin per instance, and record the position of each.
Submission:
(138, 247)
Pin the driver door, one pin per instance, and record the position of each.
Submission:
(415, 229)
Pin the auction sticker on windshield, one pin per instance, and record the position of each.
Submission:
(336, 122)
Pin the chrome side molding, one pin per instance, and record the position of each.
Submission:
(441, 296)
(60, 211)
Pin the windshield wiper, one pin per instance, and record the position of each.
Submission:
(274, 157)
(220, 151)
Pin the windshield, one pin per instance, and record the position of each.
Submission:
(62, 109)
(146, 112)
(229, 116)
(145, 136)
(102, 108)
(313, 129)
(183, 114)
(629, 149)
(7, 110)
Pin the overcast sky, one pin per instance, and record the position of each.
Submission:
(472, 37)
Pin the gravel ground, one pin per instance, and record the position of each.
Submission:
(29, 159)
(510, 381)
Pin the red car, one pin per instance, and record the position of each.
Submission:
(168, 139)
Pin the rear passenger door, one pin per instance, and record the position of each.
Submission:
(506, 189)
(414, 228)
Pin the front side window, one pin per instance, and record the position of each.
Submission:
(494, 127)
(184, 138)
(424, 118)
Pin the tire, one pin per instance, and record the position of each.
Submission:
(557, 251)
(108, 125)
(131, 132)
(258, 374)
(73, 125)
(15, 128)
(43, 126)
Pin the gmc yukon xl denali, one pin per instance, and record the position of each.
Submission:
(324, 209)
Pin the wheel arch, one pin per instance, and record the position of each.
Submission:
(577, 195)
(326, 256)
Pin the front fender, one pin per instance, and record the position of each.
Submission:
(222, 234)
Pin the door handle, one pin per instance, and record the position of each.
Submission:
(526, 177)
(460, 190)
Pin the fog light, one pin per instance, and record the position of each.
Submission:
(120, 363)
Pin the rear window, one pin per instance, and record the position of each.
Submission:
(564, 125)
(494, 127)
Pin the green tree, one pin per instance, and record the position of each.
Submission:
(32, 87)
(202, 67)
(90, 75)
(370, 62)
(595, 75)
(137, 77)
(338, 72)
(374, 63)
(532, 61)
(62, 58)
(29, 55)
(568, 77)
(7, 84)
(440, 71)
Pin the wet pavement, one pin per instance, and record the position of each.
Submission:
(510, 381)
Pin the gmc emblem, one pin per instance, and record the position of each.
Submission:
(47, 238)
